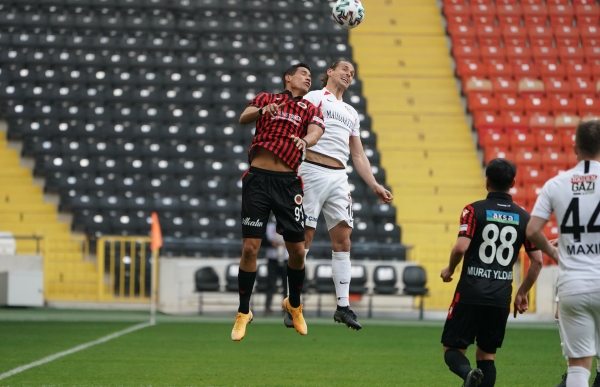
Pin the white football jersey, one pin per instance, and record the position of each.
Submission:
(573, 197)
(341, 122)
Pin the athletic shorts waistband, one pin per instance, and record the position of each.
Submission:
(325, 166)
(261, 171)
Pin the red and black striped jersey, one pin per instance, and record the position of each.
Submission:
(293, 118)
(496, 227)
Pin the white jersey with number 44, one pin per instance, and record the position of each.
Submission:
(341, 122)
(574, 196)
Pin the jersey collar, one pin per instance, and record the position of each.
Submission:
(327, 92)
(289, 94)
(499, 195)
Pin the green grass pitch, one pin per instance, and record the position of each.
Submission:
(189, 352)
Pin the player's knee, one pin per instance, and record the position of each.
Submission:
(340, 245)
(250, 251)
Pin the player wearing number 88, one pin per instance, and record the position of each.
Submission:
(490, 237)
(572, 196)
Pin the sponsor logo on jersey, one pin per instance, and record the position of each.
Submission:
(301, 104)
(464, 227)
(298, 199)
(338, 117)
(319, 120)
(252, 223)
(502, 217)
(310, 218)
(583, 184)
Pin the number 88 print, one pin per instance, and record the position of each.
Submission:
(507, 236)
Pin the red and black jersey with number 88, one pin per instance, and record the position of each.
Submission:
(293, 118)
(496, 227)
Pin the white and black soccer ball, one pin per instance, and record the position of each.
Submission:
(348, 14)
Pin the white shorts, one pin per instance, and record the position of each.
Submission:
(326, 190)
(580, 324)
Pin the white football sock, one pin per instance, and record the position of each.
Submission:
(578, 377)
(561, 341)
(342, 273)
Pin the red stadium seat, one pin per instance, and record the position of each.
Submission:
(548, 143)
(493, 54)
(558, 160)
(462, 35)
(521, 142)
(587, 15)
(471, 70)
(563, 106)
(518, 55)
(509, 15)
(526, 70)
(519, 196)
(514, 35)
(506, 2)
(537, 106)
(590, 35)
(457, 20)
(583, 2)
(491, 154)
(541, 124)
(583, 88)
(448, 3)
(466, 52)
(487, 123)
(488, 36)
(588, 106)
(571, 55)
(561, 15)
(511, 106)
(566, 36)
(579, 72)
(506, 87)
(540, 36)
(566, 123)
(483, 14)
(457, 9)
(531, 193)
(557, 89)
(529, 88)
(592, 55)
(544, 55)
(494, 140)
(499, 70)
(482, 104)
(473, 2)
(480, 87)
(531, 160)
(595, 71)
(515, 124)
(535, 15)
(532, 176)
(568, 140)
(552, 71)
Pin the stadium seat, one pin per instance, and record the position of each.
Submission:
(415, 280)
(231, 276)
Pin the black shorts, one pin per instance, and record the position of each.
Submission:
(465, 322)
(264, 191)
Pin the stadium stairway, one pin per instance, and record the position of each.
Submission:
(68, 275)
(403, 59)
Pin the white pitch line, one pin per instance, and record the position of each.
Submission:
(78, 348)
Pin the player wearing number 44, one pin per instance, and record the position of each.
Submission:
(491, 234)
(573, 197)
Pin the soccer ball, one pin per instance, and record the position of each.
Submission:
(348, 13)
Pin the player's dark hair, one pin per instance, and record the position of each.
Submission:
(292, 70)
(501, 174)
(587, 138)
(324, 78)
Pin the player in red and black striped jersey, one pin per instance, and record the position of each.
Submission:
(286, 125)
(491, 234)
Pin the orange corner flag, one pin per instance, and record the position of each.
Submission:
(155, 234)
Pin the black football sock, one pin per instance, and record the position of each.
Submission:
(343, 307)
(458, 363)
(488, 367)
(296, 282)
(245, 284)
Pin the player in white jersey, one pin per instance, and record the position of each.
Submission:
(326, 185)
(573, 197)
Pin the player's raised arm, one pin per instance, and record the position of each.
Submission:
(363, 167)
(537, 237)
